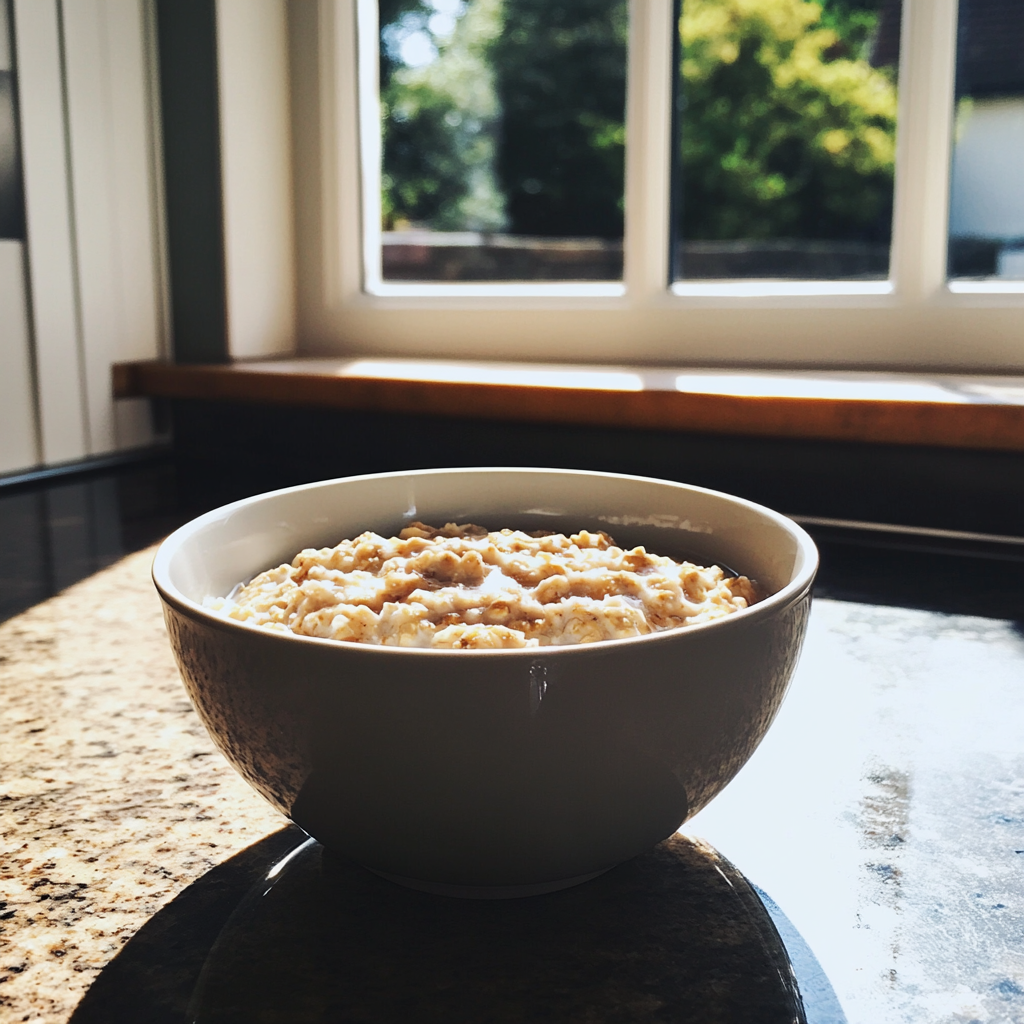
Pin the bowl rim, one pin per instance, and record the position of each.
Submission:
(774, 603)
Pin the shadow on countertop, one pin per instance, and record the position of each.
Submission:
(284, 933)
(153, 976)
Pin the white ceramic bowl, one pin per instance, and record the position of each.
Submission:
(489, 772)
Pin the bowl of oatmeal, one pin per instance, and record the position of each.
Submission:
(487, 681)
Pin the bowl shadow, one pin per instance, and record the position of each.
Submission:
(288, 932)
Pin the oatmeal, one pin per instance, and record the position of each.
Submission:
(463, 587)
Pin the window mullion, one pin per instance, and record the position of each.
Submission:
(337, 234)
(927, 71)
(368, 31)
(648, 148)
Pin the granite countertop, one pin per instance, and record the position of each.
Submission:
(130, 850)
(112, 796)
(884, 813)
(882, 818)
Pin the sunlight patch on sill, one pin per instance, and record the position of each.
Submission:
(771, 386)
(835, 385)
(483, 373)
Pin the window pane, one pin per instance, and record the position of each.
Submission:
(503, 139)
(785, 139)
(986, 210)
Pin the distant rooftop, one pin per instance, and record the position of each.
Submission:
(990, 54)
(990, 61)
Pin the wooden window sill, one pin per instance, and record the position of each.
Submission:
(939, 410)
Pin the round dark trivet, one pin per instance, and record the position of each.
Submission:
(676, 935)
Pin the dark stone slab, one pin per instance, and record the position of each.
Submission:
(284, 932)
(674, 935)
(234, 448)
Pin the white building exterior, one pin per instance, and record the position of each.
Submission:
(987, 188)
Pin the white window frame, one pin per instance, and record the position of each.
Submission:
(916, 320)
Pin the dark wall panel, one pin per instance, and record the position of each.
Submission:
(187, 31)
(240, 448)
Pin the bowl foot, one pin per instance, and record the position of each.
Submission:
(488, 892)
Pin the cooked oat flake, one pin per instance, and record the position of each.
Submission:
(462, 587)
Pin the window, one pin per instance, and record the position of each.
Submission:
(986, 216)
(503, 131)
(867, 292)
(785, 139)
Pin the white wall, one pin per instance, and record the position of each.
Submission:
(50, 229)
(116, 215)
(93, 183)
(93, 215)
(987, 190)
(252, 58)
(17, 405)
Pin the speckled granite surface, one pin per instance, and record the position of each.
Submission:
(884, 813)
(112, 797)
(121, 834)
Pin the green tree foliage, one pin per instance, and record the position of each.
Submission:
(439, 121)
(786, 130)
(782, 134)
(855, 23)
(560, 69)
